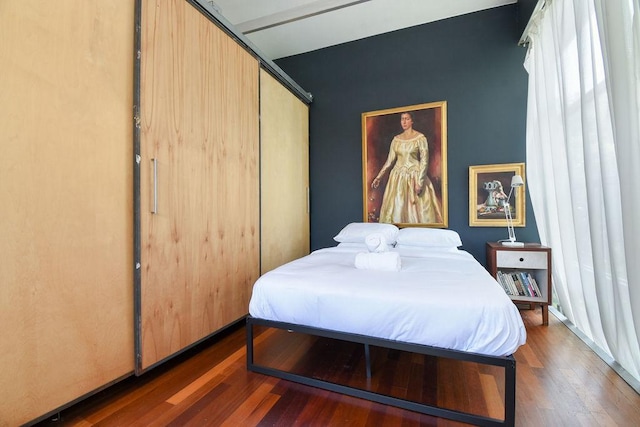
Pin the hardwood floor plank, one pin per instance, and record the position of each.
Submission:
(254, 407)
(349, 411)
(104, 405)
(199, 413)
(530, 390)
(291, 402)
(481, 389)
(160, 415)
(415, 391)
(319, 409)
(429, 389)
(216, 371)
(527, 355)
(165, 415)
(529, 415)
(450, 394)
(492, 397)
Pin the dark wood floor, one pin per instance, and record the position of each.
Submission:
(560, 382)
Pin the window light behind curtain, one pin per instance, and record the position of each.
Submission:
(583, 164)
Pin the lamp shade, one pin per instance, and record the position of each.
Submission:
(516, 181)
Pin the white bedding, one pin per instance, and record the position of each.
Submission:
(441, 298)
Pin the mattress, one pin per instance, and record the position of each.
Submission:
(440, 298)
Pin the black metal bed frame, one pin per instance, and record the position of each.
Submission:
(506, 362)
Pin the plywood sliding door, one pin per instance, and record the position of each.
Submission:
(66, 202)
(284, 136)
(199, 182)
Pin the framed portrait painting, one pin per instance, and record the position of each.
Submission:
(404, 165)
(489, 189)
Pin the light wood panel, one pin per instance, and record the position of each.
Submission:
(199, 120)
(284, 164)
(66, 285)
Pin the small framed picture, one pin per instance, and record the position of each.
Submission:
(489, 190)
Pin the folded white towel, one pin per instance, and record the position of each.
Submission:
(383, 261)
(376, 242)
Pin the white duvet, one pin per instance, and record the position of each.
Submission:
(439, 298)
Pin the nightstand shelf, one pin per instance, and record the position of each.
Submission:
(531, 265)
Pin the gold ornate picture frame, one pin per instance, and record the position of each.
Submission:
(404, 165)
(489, 187)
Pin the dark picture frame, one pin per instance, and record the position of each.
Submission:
(415, 195)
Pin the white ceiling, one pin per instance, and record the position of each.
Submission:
(280, 28)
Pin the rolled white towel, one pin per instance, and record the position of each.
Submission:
(376, 242)
(383, 261)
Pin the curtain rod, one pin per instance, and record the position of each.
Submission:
(214, 15)
(533, 22)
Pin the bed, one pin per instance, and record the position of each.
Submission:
(439, 301)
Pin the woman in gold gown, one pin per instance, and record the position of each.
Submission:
(409, 196)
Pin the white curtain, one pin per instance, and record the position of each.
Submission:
(583, 164)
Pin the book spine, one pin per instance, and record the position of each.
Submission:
(503, 283)
(519, 285)
(536, 288)
(527, 284)
(512, 284)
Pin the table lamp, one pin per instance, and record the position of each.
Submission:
(516, 181)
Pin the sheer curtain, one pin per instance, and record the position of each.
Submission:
(583, 164)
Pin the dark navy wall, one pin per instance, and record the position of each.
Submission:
(525, 9)
(473, 62)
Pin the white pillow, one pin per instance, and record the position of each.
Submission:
(363, 246)
(429, 237)
(423, 251)
(356, 232)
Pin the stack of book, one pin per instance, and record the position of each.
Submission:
(519, 283)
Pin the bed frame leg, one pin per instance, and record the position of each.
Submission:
(510, 394)
(249, 327)
(367, 358)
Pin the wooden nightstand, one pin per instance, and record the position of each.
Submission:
(519, 270)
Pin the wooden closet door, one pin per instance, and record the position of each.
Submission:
(199, 183)
(66, 202)
(284, 147)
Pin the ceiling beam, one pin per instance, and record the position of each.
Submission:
(295, 14)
